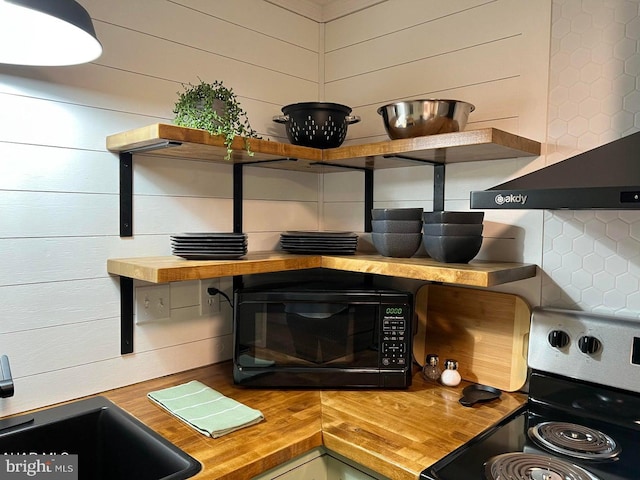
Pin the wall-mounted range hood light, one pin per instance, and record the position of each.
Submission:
(607, 177)
(46, 32)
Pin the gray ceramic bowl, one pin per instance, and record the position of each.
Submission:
(399, 245)
(453, 217)
(396, 226)
(452, 229)
(396, 213)
(452, 248)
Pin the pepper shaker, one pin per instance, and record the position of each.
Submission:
(431, 370)
(450, 376)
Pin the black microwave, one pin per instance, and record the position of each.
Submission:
(317, 337)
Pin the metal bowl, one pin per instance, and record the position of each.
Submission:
(416, 118)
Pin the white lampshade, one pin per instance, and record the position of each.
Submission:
(46, 32)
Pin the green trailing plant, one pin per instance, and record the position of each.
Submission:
(214, 108)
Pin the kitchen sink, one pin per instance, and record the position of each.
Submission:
(110, 443)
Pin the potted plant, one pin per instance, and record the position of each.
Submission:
(214, 108)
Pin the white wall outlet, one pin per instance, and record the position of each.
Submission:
(153, 303)
(209, 304)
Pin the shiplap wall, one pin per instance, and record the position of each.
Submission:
(59, 186)
(491, 53)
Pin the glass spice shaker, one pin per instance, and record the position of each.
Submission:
(431, 370)
(450, 376)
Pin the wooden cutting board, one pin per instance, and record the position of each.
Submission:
(486, 332)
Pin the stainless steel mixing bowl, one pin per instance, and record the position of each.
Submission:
(415, 118)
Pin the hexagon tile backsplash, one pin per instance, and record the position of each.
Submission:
(591, 259)
(594, 96)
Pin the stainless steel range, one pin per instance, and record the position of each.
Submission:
(582, 418)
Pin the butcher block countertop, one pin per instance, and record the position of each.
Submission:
(397, 433)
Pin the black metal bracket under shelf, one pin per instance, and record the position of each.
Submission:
(126, 194)
(126, 315)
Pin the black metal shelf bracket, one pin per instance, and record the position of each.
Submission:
(438, 187)
(126, 183)
(126, 230)
(126, 194)
(126, 315)
(238, 195)
(368, 199)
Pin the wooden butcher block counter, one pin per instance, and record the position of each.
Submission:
(397, 433)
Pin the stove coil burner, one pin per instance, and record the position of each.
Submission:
(574, 440)
(526, 466)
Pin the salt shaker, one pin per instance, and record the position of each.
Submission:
(450, 376)
(431, 370)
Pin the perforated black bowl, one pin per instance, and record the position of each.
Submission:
(316, 124)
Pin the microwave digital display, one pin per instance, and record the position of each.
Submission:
(322, 338)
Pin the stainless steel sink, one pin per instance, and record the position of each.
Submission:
(110, 443)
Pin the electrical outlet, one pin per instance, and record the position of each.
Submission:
(209, 304)
(153, 303)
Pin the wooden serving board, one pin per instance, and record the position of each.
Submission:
(486, 332)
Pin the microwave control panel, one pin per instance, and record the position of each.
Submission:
(395, 335)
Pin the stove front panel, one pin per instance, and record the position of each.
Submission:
(593, 348)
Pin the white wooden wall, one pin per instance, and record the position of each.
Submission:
(491, 53)
(59, 186)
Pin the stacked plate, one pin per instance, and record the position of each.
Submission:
(333, 243)
(209, 246)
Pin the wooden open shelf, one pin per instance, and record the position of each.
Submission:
(180, 142)
(174, 269)
(188, 143)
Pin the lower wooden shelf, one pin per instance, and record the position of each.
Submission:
(174, 269)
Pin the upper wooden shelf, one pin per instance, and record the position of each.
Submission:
(474, 145)
(173, 269)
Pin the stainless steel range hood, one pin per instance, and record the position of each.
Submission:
(607, 177)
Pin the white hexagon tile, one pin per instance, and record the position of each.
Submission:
(591, 259)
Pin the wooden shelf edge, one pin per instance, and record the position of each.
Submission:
(477, 273)
(172, 269)
(482, 144)
(145, 138)
(520, 146)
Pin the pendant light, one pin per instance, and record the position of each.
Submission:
(46, 32)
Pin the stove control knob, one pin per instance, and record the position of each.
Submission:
(558, 338)
(588, 344)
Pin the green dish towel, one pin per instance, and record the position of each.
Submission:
(204, 409)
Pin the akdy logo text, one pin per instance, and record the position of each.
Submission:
(502, 199)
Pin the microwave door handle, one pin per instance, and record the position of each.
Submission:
(315, 310)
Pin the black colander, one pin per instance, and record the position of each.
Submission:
(316, 124)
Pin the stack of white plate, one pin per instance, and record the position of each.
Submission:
(332, 243)
(209, 246)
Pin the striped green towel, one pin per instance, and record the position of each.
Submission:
(204, 409)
